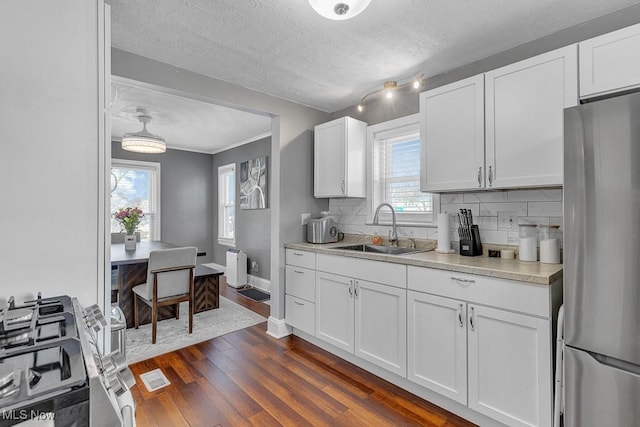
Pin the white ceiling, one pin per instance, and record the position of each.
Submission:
(283, 48)
(185, 124)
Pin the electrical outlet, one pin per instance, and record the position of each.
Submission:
(508, 221)
(304, 218)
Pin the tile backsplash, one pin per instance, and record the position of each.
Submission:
(491, 212)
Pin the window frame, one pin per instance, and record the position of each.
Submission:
(156, 232)
(223, 170)
(391, 129)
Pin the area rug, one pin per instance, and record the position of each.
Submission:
(254, 294)
(174, 334)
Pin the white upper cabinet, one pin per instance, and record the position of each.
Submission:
(339, 158)
(610, 63)
(452, 130)
(524, 105)
(502, 129)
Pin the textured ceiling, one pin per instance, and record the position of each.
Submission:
(283, 48)
(185, 124)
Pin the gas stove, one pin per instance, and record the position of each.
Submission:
(51, 367)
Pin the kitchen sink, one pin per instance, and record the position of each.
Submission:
(376, 249)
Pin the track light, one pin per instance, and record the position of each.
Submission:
(388, 88)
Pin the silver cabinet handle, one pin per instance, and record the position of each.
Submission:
(460, 280)
(490, 177)
(298, 271)
(460, 323)
(351, 288)
(298, 254)
(342, 186)
(480, 176)
(298, 303)
(356, 288)
(471, 324)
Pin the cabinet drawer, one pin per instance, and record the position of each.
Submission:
(300, 258)
(300, 314)
(300, 282)
(373, 271)
(510, 295)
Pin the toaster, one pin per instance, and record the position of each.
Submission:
(322, 230)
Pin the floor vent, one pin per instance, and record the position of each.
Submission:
(154, 380)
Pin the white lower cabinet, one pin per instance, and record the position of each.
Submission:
(364, 318)
(437, 344)
(495, 361)
(381, 325)
(509, 359)
(335, 310)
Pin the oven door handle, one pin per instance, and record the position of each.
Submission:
(127, 416)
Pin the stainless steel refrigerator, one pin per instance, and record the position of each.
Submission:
(602, 263)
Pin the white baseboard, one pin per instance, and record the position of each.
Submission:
(277, 328)
(255, 281)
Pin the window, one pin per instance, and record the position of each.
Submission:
(137, 184)
(393, 152)
(227, 204)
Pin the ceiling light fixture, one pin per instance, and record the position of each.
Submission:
(143, 141)
(389, 88)
(339, 10)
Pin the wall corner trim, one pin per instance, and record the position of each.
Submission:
(277, 328)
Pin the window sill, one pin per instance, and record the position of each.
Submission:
(229, 243)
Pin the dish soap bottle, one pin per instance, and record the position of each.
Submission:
(376, 239)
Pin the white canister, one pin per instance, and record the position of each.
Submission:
(527, 242)
(549, 243)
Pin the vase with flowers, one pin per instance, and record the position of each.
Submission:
(129, 219)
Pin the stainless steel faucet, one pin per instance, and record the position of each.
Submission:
(393, 238)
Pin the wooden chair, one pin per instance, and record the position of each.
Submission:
(169, 282)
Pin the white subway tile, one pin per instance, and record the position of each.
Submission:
(486, 222)
(454, 208)
(545, 209)
(449, 198)
(536, 195)
(492, 209)
(495, 237)
(486, 196)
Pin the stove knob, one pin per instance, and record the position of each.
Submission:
(127, 377)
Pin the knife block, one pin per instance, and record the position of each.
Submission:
(473, 246)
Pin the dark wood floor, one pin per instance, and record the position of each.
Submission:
(248, 378)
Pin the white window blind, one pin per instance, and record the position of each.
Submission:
(137, 184)
(227, 204)
(394, 148)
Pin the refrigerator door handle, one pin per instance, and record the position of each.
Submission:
(615, 363)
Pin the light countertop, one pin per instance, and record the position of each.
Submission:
(510, 269)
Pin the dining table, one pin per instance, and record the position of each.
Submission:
(132, 271)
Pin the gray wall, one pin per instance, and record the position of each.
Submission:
(289, 122)
(406, 102)
(187, 196)
(253, 226)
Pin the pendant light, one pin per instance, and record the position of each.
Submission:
(339, 10)
(143, 141)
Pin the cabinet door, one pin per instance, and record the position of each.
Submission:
(437, 344)
(452, 129)
(381, 325)
(509, 366)
(335, 310)
(610, 63)
(329, 159)
(525, 119)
